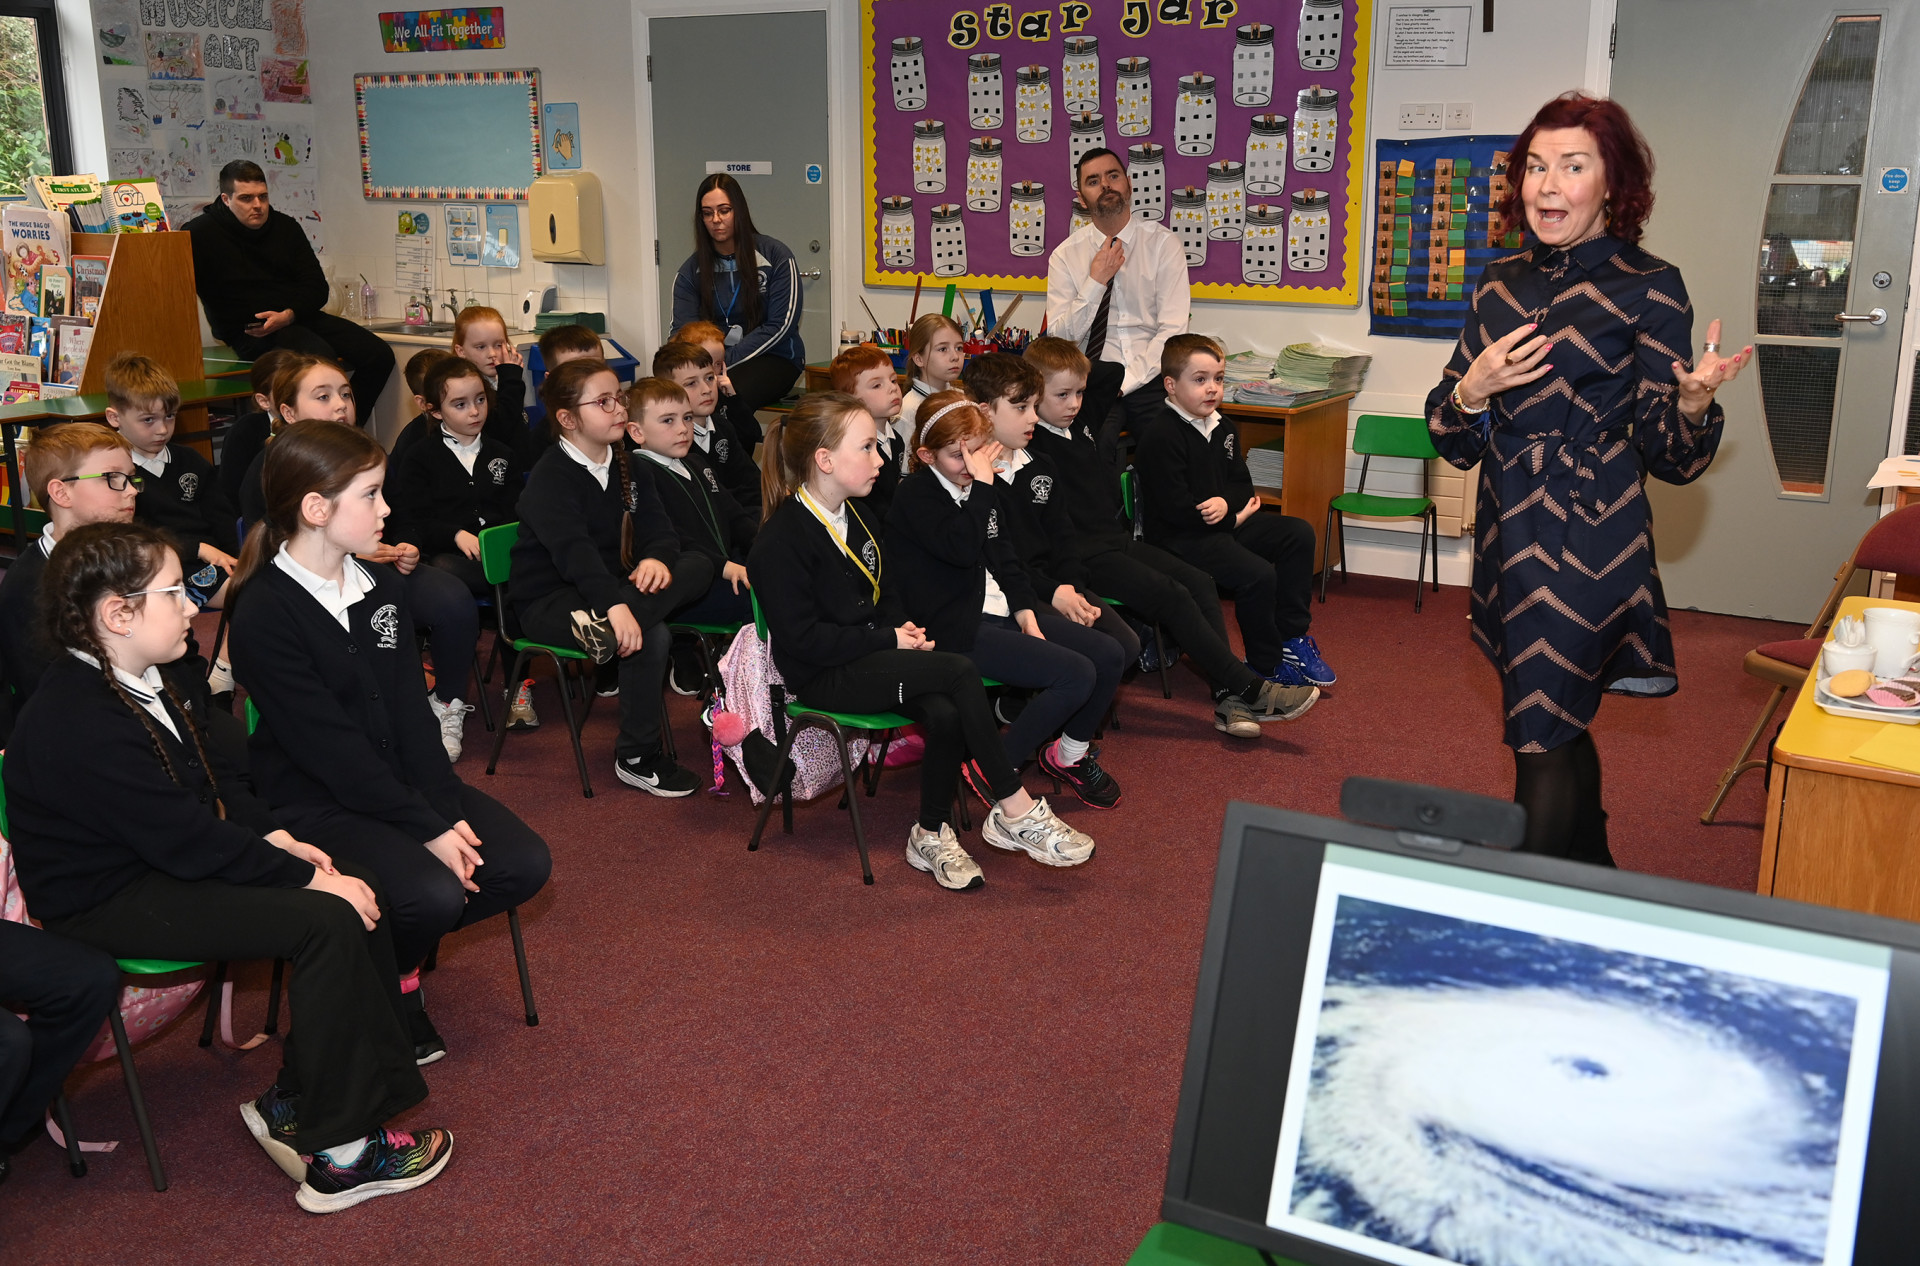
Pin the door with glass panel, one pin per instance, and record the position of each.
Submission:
(1773, 125)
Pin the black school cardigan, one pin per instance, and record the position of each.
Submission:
(188, 502)
(344, 718)
(818, 606)
(705, 516)
(732, 461)
(433, 496)
(1042, 532)
(942, 550)
(1088, 487)
(238, 447)
(91, 808)
(570, 531)
(1179, 468)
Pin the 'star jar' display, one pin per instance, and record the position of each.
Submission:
(1132, 96)
(1267, 154)
(1033, 104)
(1080, 74)
(1193, 116)
(896, 231)
(1147, 173)
(1027, 217)
(986, 105)
(929, 156)
(949, 241)
(983, 173)
(909, 74)
(1307, 230)
(1315, 129)
(1226, 200)
(1253, 65)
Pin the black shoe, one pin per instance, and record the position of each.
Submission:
(1094, 785)
(427, 1043)
(223, 701)
(686, 675)
(1008, 706)
(606, 680)
(657, 775)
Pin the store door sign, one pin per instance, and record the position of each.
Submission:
(734, 167)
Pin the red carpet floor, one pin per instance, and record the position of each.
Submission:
(753, 1057)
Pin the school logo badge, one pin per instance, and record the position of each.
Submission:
(1042, 489)
(632, 497)
(1086, 433)
(1227, 443)
(498, 469)
(720, 449)
(869, 554)
(189, 486)
(386, 622)
(993, 523)
(712, 483)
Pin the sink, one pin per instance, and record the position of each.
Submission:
(401, 327)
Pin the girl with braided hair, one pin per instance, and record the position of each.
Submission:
(133, 836)
(347, 751)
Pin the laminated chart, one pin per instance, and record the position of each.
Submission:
(1435, 229)
(1244, 132)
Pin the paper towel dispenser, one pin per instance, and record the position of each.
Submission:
(566, 220)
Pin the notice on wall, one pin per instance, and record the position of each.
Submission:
(463, 235)
(560, 134)
(1427, 38)
(501, 246)
(443, 30)
(413, 261)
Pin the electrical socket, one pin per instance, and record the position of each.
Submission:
(1459, 116)
(1420, 116)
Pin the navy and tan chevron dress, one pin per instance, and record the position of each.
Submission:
(1566, 599)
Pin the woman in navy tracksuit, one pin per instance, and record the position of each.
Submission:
(749, 286)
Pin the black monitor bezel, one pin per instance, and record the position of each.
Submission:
(1242, 817)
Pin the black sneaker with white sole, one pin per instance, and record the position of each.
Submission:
(657, 775)
(428, 1046)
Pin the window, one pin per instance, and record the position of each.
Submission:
(34, 139)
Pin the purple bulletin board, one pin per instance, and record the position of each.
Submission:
(1243, 127)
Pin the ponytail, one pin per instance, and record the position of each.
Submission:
(786, 454)
(322, 457)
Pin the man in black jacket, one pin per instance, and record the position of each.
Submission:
(262, 287)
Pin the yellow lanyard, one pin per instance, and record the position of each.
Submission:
(827, 523)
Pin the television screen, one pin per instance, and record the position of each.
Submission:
(1492, 1059)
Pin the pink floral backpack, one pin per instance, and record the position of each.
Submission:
(746, 672)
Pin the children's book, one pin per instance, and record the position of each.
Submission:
(78, 196)
(20, 389)
(55, 282)
(33, 238)
(18, 367)
(55, 390)
(73, 339)
(13, 336)
(133, 206)
(89, 283)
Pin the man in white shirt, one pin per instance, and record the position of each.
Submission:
(1119, 289)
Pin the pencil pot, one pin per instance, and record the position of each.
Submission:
(1194, 115)
(1253, 65)
(929, 156)
(909, 73)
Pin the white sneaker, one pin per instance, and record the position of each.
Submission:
(1039, 834)
(940, 855)
(520, 714)
(453, 723)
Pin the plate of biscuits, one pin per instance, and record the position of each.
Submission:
(1858, 693)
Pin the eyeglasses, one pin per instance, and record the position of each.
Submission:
(178, 591)
(117, 480)
(607, 404)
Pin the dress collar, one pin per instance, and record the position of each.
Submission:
(1589, 254)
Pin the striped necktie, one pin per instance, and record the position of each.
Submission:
(1097, 332)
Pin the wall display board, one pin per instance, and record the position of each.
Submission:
(1435, 229)
(470, 136)
(1243, 129)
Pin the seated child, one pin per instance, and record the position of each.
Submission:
(1151, 581)
(958, 576)
(422, 424)
(866, 373)
(569, 342)
(713, 340)
(1036, 525)
(178, 490)
(248, 434)
(64, 990)
(935, 354)
(1198, 504)
(841, 641)
(598, 563)
(480, 337)
(133, 837)
(348, 751)
(715, 442)
(443, 494)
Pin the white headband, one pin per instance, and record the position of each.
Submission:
(938, 414)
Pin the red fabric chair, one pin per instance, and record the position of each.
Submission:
(1892, 545)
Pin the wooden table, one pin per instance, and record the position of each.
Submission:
(1840, 832)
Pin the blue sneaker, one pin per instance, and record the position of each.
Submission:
(1303, 655)
(1285, 673)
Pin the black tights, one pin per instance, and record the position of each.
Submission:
(1560, 790)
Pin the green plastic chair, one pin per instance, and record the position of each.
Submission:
(1128, 492)
(496, 549)
(140, 968)
(1387, 435)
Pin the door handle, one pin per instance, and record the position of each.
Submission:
(815, 276)
(1877, 316)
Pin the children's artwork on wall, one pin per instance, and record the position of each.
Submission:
(1434, 230)
(173, 55)
(177, 103)
(184, 173)
(116, 29)
(289, 27)
(286, 145)
(1247, 139)
(561, 120)
(285, 79)
(238, 97)
(130, 120)
(227, 142)
(132, 163)
(295, 192)
(467, 136)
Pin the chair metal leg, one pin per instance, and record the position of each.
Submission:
(214, 1002)
(480, 692)
(125, 1050)
(513, 678)
(1326, 557)
(853, 801)
(63, 1115)
(273, 997)
(573, 724)
(1160, 652)
(1433, 527)
(1740, 762)
(766, 806)
(870, 776)
(520, 961)
(1420, 565)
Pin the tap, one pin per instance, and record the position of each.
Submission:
(452, 305)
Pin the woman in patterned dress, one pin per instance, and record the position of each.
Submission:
(1572, 382)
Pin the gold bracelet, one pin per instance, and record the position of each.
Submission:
(1461, 406)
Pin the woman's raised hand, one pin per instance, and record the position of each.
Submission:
(1711, 372)
(1505, 363)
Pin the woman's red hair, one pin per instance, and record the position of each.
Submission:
(1624, 156)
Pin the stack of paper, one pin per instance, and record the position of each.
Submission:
(1271, 392)
(1322, 367)
(1265, 463)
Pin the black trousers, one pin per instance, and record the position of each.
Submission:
(1267, 565)
(424, 900)
(1136, 408)
(1560, 790)
(467, 571)
(940, 690)
(1076, 670)
(65, 990)
(366, 355)
(348, 1054)
(441, 603)
(643, 674)
(762, 381)
(1179, 596)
